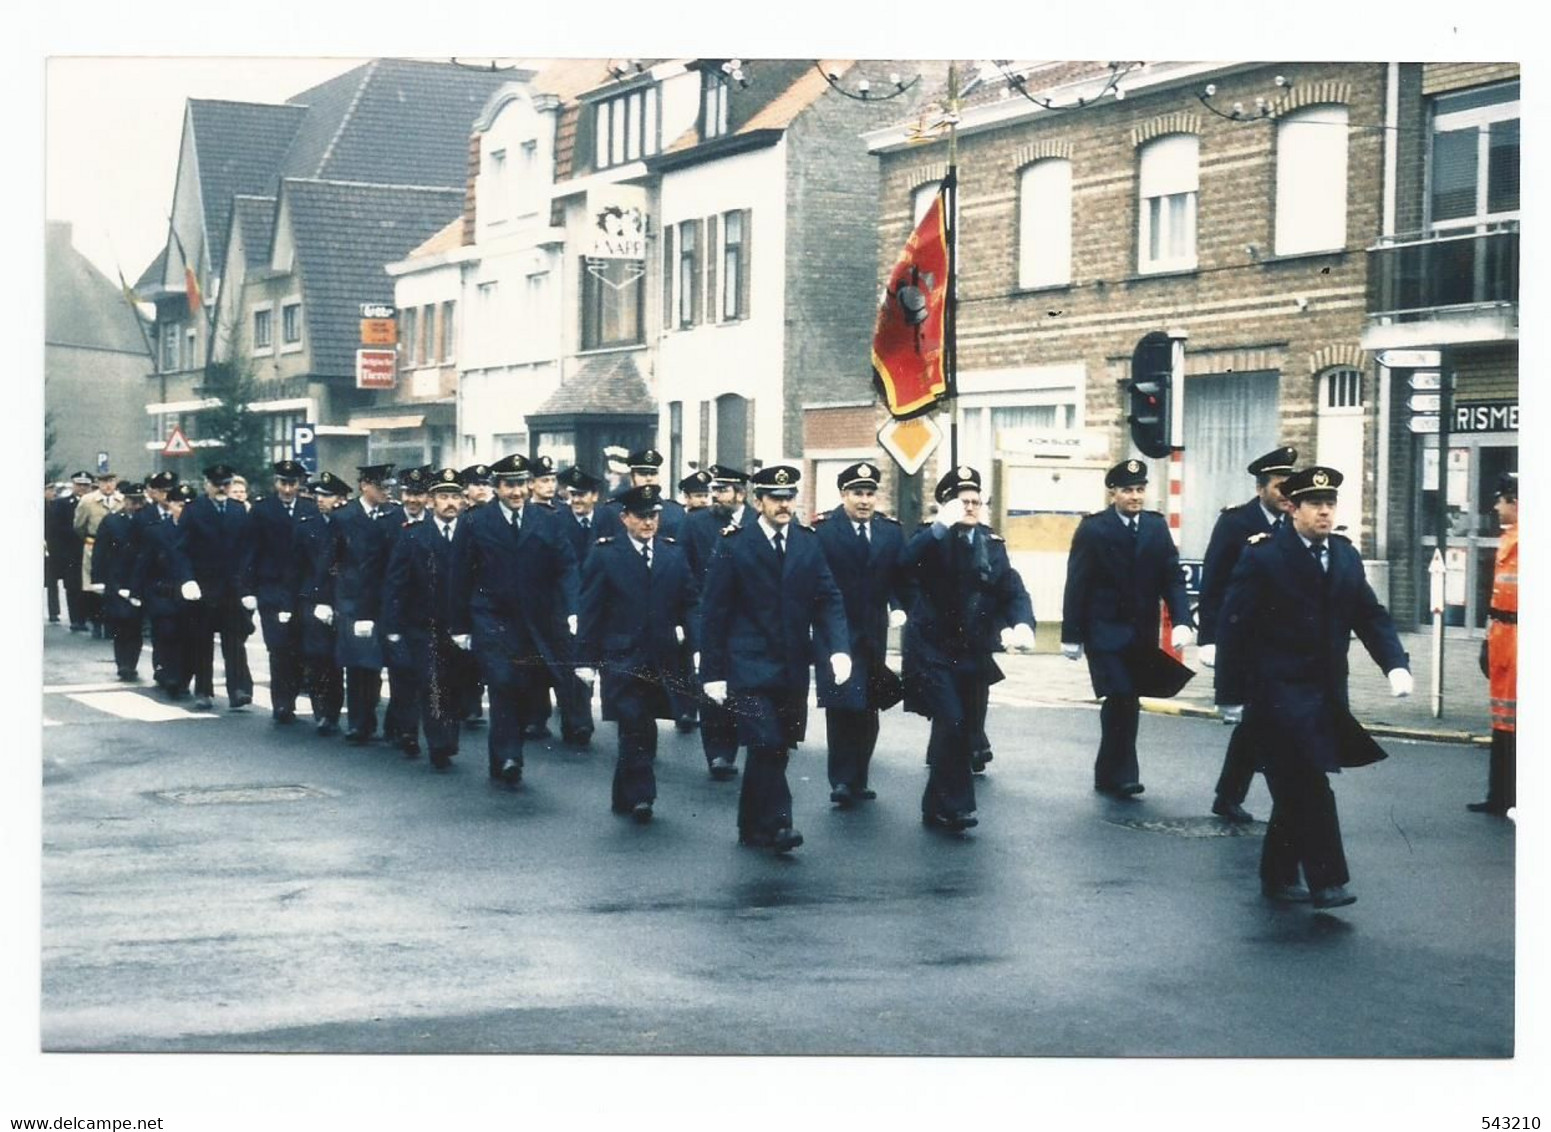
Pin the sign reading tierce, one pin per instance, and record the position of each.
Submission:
(376, 369)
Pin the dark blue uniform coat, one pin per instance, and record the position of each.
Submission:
(113, 563)
(872, 578)
(1233, 529)
(356, 567)
(268, 568)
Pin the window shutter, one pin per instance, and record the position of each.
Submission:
(670, 264)
(711, 313)
(705, 433)
(746, 265)
(695, 272)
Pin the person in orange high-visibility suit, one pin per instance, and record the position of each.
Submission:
(1501, 657)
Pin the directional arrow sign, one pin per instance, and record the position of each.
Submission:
(1425, 379)
(1425, 402)
(1423, 424)
(1435, 571)
(1410, 359)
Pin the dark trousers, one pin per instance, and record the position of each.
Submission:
(950, 785)
(634, 780)
(443, 693)
(718, 732)
(771, 723)
(976, 722)
(325, 688)
(686, 708)
(75, 604)
(473, 701)
(228, 618)
(91, 606)
(852, 737)
(1116, 763)
(173, 643)
(128, 640)
(536, 706)
(1502, 770)
(285, 678)
(575, 708)
(363, 692)
(1303, 830)
(402, 719)
(51, 588)
(1238, 767)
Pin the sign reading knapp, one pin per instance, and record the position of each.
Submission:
(617, 216)
(1485, 416)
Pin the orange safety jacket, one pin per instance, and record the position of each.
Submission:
(1502, 633)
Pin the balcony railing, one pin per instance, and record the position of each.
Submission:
(1418, 276)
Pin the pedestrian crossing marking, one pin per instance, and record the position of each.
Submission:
(133, 705)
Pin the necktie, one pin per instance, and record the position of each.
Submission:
(517, 521)
(220, 506)
(646, 554)
(1131, 527)
(374, 512)
(1317, 548)
(586, 522)
(447, 531)
(1276, 526)
(290, 510)
(780, 545)
(861, 531)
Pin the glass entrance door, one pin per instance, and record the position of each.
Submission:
(1468, 477)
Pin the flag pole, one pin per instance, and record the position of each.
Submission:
(951, 206)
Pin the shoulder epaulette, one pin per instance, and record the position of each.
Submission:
(1225, 510)
(886, 518)
(1259, 537)
(994, 537)
(820, 517)
(668, 538)
(730, 529)
(604, 540)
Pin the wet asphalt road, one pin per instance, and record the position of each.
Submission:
(383, 908)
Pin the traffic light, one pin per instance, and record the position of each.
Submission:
(1152, 373)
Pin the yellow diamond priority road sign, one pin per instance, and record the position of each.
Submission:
(910, 442)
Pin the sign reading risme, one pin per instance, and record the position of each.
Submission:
(1485, 416)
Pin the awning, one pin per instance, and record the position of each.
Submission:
(377, 424)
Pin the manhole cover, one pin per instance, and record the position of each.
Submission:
(1193, 827)
(240, 795)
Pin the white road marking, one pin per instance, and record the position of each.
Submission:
(132, 705)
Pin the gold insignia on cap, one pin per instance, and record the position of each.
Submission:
(865, 470)
(1320, 479)
(965, 473)
(1133, 466)
(449, 475)
(781, 476)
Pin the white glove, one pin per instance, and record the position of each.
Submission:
(463, 641)
(697, 662)
(950, 513)
(840, 665)
(1181, 636)
(364, 628)
(1208, 656)
(1023, 637)
(134, 601)
(571, 622)
(1231, 713)
(1400, 682)
(678, 631)
(1006, 639)
(191, 591)
(897, 617)
(124, 594)
(717, 690)
(1071, 651)
(586, 675)
(250, 603)
(394, 638)
(97, 588)
(324, 613)
(284, 617)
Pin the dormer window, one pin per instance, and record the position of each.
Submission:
(713, 106)
(625, 128)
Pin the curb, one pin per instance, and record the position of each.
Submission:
(1391, 731)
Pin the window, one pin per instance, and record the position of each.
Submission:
(1169, 183)
(1045, 224)
(291, 323)
(713, 122)
(625, 128)
(428, 334)
(172, 334)
(735, 280)
(279, 428)
(527, 177)
(263, 330)
(669, 266)
(613, 295)
(1474, 169)
(921, 199)
(689, 273)
(190, 347)
(493, 192)
(1311, 180)
(675, 440)
(448, 340)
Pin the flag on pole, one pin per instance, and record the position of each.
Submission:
(909, 344)
(190, 280)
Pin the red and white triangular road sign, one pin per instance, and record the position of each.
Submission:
(177, 444)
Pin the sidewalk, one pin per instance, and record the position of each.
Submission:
(1047, 676)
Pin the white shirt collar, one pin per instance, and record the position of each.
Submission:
(1271, 516)
(771, 531)
(1127, 519)
(510, 511)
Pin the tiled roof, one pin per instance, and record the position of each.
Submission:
(344, 234)
(797, 97)
(565, 79)
(238, 147)
(151, 277)
(81, 306)
(256, 225)
(609, 383)
(443, 241)
(393, 122)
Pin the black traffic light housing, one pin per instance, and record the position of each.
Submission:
(1150, 387)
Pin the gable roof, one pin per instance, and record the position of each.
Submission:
(151, 278)
(800, 94)
(238, 147)
(344, 233)
(609, 384)
(444, 240)
(255, 223)
(81, 306)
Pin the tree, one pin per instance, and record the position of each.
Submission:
(242, 432)
(53, 470)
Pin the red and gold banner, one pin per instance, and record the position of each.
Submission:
(908, 343)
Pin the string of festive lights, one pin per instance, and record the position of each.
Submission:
(1265, 108)
(1020, 83)
(495, 66)
(864, 92)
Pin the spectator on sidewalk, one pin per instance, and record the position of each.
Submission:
(1500, 655)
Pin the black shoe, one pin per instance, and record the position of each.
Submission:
(723, 768)
(238, 701)
(441, 760)
(285, 716)
(410, 747)
(204, 703)
(581, 738)
(785, 840)
(949, 822)
(358, 738)
(1285, 893)
(864, 794)
(1232, 811)
(79, 628)
(1487, 808)
(53, 621)
(328, 727)
(686, 725)
(129, 676)
(1335, 896)
(536, 731)
(842, 796)
(641, 812)
(511, 772)
(978, 760)
(1125, 790)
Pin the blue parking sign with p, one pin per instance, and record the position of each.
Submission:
(304, 446)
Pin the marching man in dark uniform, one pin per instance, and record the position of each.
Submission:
(967, 599)
(312, 581)
(401, 720)
(767, 589)
(164, 583)
(543, 483)
(863, 550)
(158, 486)
(1122, 562)
(65, 547)
(216, 531)
(1235, 526)
(417, 615)
(268, 576)
(578, 521)
(361, 540)
(477, 492)
(696, 490)
(646, 468)
(113, 563)
(1283, 634)
(504, 555)
(638, 607)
